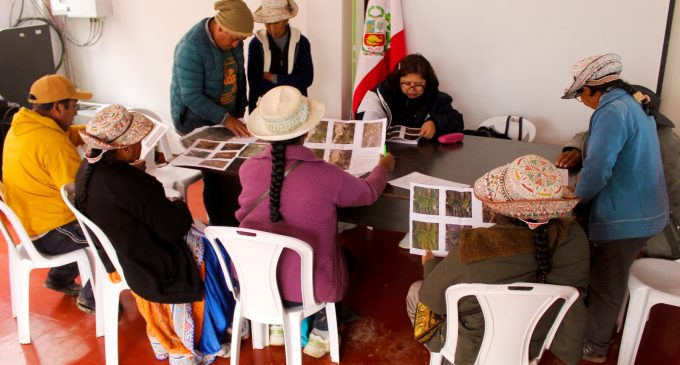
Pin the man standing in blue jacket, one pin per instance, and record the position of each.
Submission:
(208, 75)
(209, 88)
(278, 55)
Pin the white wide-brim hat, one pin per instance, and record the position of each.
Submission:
(273, 11)
(284, 113)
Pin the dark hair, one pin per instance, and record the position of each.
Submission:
(646, 103)
(48, 106)
(278, 170)
(542, 253)
(413, 63)
(107, 157)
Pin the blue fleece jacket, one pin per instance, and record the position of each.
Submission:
(198, 81)
(622, 174)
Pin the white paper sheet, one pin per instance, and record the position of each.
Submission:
(353, 145)
(402, 134)
(203, 153)
(422, 179)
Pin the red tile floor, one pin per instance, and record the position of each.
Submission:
(61, 334)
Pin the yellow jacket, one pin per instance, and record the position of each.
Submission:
(38, 158)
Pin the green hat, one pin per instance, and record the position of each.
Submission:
(235, 17)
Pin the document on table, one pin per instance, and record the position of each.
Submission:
(353, 145)
(209, 154)
(402, 134)
(422, 179)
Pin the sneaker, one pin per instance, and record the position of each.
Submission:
(87, 306)
(276, 335)
(590, 354)
(405, 242)
(342, 226)
(225, 351)
(317, 346)
(72, 289)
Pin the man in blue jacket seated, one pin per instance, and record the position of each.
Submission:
(279, 54)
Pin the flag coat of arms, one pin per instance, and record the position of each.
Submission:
(383, 46)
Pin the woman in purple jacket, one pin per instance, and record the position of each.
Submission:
(304, 193)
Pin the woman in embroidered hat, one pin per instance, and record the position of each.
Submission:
(300, 195)
(622, 181)
(533, 240)
(410, 96)
(164, 259)
(278, 54)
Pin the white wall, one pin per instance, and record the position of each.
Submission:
(670, 92)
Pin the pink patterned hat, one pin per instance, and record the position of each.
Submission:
(529, 188)
(115, 127)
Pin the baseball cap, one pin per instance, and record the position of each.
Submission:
(51, 88)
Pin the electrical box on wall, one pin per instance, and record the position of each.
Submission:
(82, 8)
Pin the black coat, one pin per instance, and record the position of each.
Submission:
(146, 229)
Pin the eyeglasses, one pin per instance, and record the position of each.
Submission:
(412, 85)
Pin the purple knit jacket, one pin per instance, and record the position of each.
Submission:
(309, 197)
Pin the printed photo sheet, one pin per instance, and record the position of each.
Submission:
(353, 145)
(438, 214)
(209, 154)
(402, 134)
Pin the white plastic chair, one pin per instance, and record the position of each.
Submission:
(511, 313)
(651, 282)
(107, 293)
(178, 178)
(23, 258)
(499, 124)
(255, 255)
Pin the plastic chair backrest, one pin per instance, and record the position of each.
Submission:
(512, 124)
(89, 228)
(255, 255)
(12, 223)
(157, 136)
(511, 313)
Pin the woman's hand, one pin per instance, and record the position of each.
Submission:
(428, 129)
(427, 257)
(236, 127)
(387, 161)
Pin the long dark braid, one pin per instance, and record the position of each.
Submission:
(645, 101)
(543, 254)
(82, 197)
(278, 170)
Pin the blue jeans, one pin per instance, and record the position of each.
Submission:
(66, 238)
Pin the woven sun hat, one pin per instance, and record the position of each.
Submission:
(529, 188)
(234, 17)
(284, 113)
(594, 71)
(52, 88)
(115, 127)
(272, 11)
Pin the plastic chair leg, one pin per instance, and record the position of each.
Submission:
(236, 335)
(111, 300)
(638, 310)
(22, 304)
(291, 331)
(333, 332)
(13, 274)
(260, 335)
(99, 301)
(436, 358)
(622, 312)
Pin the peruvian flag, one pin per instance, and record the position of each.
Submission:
(382, 47)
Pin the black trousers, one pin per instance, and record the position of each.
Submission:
(220, 197)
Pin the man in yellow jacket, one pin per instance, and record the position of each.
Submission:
(39, 157)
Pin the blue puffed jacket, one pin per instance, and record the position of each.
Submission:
(198, 81)
(622, 174)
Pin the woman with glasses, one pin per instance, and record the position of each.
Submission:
(622, 180)
(410, 96)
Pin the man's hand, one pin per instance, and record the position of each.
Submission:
(237, 127)
(140, 164)
(568, 159)
(387, 161)
(428, 129)
(427, 257)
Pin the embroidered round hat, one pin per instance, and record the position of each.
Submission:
(234, 17)
(529, 188)
(284, 113)
(115, 127)
(272, 11)
(51, 88)
(593, 71)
